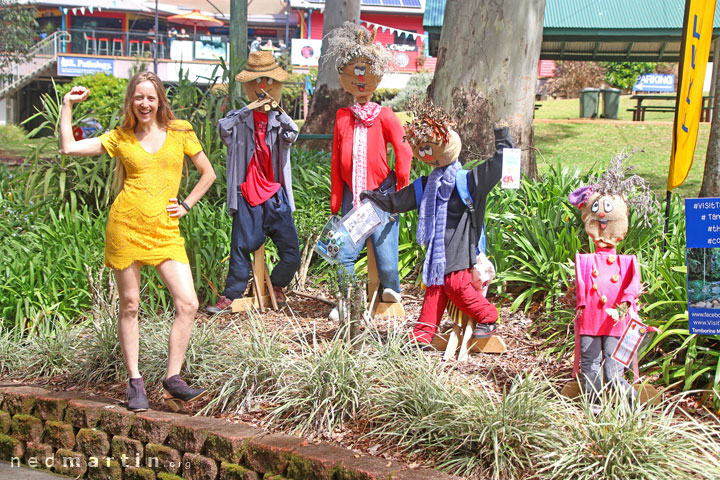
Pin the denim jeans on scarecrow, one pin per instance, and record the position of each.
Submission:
(384, 241)
(251, 225)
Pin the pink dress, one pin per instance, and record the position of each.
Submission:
(604, 275)
(614, 277)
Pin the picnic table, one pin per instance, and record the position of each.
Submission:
(640, 109)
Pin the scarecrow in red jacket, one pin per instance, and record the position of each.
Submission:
(359, 155)
(607, 284)
(448, 227)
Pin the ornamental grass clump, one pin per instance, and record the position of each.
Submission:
(472, 432)
(51, 352)
(326, 385)
(247, 371)
(633, 441)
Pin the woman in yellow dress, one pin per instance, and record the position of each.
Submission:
(142, 226)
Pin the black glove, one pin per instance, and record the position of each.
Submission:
(369, 195)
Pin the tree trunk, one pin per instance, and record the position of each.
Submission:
(238, 31)
(329, 96)
(487, 72)
(711, 176)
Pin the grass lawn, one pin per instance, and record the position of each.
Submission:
(570, 108)
(594, 143)
(588, 145)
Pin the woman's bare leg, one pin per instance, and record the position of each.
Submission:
(128, 282)
(178, 279)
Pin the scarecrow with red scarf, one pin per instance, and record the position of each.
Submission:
(359, 154)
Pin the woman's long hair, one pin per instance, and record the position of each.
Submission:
(165, 116)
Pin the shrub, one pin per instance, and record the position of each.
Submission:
(382, 95)
(570, 77)
(624, 74)
(416, 87)
(107, 94)
(12, 134)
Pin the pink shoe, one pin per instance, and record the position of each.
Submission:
(222, 306)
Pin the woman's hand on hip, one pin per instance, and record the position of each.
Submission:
(175, 210)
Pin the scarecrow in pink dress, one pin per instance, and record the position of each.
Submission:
(608, 284)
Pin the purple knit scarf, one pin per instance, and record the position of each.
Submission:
(432, 218)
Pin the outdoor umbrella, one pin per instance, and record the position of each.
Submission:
(195, 18)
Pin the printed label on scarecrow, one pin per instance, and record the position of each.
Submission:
(511, 168)
(361, 221)
(630, 341)
(702, 237)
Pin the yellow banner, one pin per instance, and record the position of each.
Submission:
(697, 33)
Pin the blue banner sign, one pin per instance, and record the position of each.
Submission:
(702, 235)
(655, 82)
(75, 66)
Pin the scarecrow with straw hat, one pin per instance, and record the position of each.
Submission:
(259, 182)
(359, 154)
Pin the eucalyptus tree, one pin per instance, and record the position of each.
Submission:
(487, 71)
(329, 96)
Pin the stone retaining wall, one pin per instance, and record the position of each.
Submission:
(95, 438)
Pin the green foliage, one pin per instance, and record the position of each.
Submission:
(105, 102)
(415, 88)
(382, 95)
(532, 238)
(324, 388)
(43, 251)
(17, 29)
(624, 74)
(64, 179)
(11, 133)
(408, 399)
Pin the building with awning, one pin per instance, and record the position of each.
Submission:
(76, 37)
(599, 30)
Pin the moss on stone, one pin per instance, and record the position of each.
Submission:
(93, 443)
(299, 467)
(139, 473)
(5, 422)
(26, 427)
(168, 476)
(8, 447)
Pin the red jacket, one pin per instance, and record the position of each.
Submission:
(387, 128)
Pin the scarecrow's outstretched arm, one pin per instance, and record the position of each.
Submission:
(394, 202)
(488, 173)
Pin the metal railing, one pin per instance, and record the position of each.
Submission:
(132, 43)
(43, 55)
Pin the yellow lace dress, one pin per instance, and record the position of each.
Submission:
(138, 227)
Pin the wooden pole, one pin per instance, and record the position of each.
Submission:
(238, 32)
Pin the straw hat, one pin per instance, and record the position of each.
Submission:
(261, 64)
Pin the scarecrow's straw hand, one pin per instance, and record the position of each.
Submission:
(260, 104)
(274, 104)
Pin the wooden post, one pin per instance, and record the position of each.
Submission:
(263, 296)
(461, 335)
(646, 393)
(377, 306)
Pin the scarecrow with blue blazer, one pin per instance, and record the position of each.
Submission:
(448, 225)
(259, 182)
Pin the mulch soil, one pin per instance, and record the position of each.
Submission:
(306, 312)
